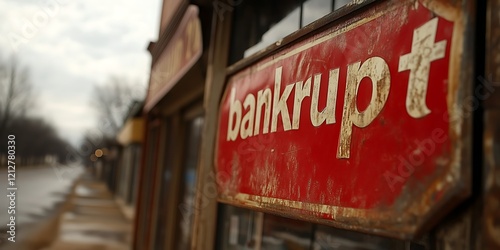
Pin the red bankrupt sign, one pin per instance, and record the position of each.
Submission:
(358, 126)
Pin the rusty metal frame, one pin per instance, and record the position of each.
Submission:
(419, 213)
(490, 236)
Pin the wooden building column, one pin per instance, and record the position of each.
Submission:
(205, 217)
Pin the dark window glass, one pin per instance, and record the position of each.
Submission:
(286, 234)
(246, 229)
(340, 3)
(239, 228)
(260, 23)
(136, 151)
(254, 24)
(314, 10)
(287, 25)
(166, 178)
(328, 238)
(186, 206)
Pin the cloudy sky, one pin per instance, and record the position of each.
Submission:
(71, 45)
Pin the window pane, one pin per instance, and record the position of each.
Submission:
(244, 229)
(340, 3)
(314, 10)
(164, 199)
(286, 234)
(288, 25)
(239, 228)
(328, 238)
(260, 23)
(186, 206)
(135, 177)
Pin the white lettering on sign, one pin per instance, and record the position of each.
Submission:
(301, 91)
(377, 70)
(327, 114)
(263, 99)
(234, 110)
(271, 104)
(423, 52)
(279, 103)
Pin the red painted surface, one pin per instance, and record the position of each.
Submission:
(302, 164)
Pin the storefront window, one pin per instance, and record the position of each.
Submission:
(166, 180)
(328, 238)
(289, 24)
(244, 229)
(314, 10)
(134, 179)
(253, 22)
(339, 3)
(281, 233)
(258, 24)
(186, 207)
(240, 227)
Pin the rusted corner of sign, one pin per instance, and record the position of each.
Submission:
(491, 210)
(452, 184)
(491, 139)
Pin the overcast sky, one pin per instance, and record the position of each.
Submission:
(70, 45)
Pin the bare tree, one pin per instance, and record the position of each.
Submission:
(35, 139)
(112, 100)
(16, 92)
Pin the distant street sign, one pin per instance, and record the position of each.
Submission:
(359, 126)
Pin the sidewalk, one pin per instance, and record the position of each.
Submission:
(92, 220)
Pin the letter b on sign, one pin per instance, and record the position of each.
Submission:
(233, 127)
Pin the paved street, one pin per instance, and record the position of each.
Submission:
(65, 208)
(93, 221)
(40, 189)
